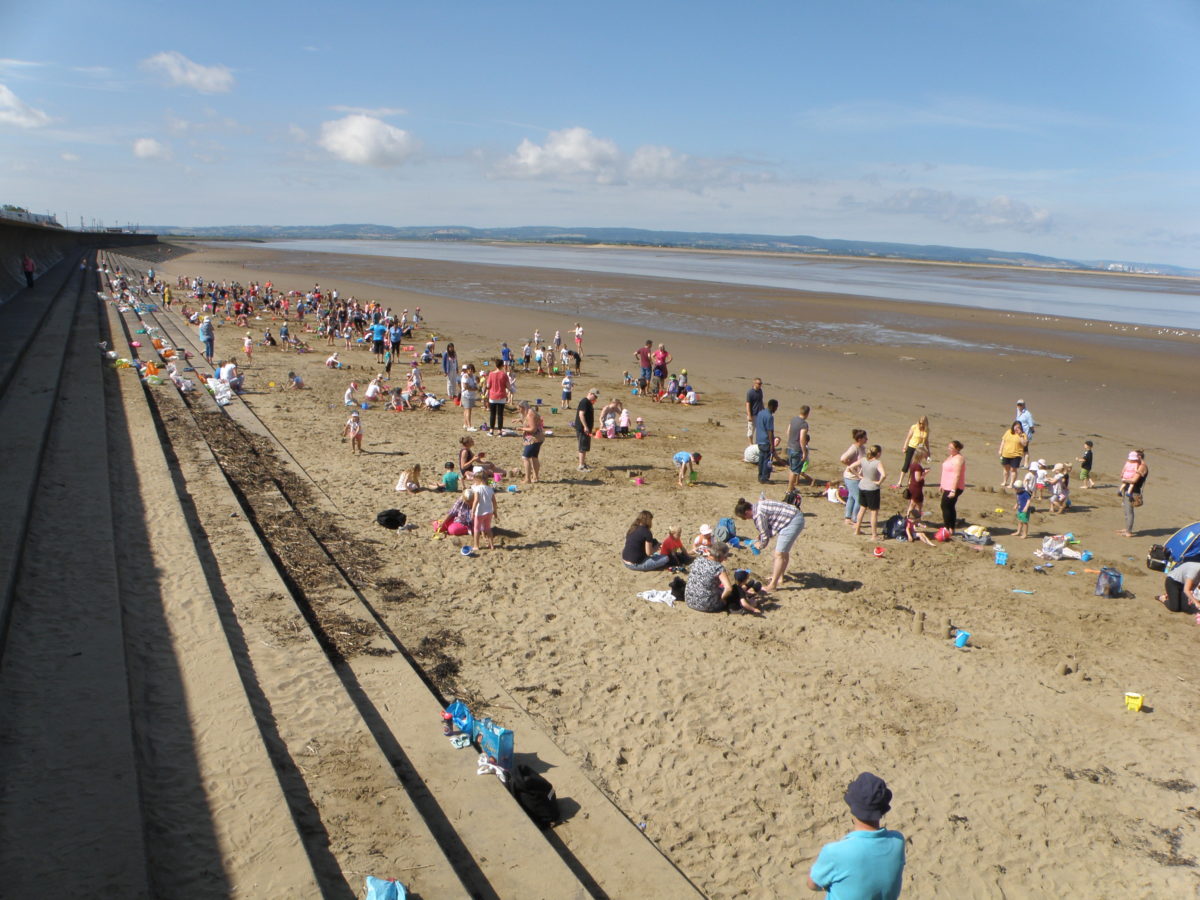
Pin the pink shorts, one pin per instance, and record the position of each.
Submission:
(483, 523)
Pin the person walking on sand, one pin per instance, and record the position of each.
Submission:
(585, 422)
(797, 450)
(354, 430)
(28, 267)
(954, 479)
(1133, 478)
(773, 519)
(207, 339)
(869, 861)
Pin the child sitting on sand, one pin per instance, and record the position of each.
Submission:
(354, 431)
(296, 382)
(703, 541)
(333, 362)
(913, 529)
(350, 398)
(410, 480)
(450, 480)
(1060, 488)
(672, 547)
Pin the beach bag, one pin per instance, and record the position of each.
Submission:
(385, 889)
(536, 796)
(392, 519)
(460, 715)
(496, 743)
(1109, 582)
(1156, 559)
(725, 531)
(893, 528)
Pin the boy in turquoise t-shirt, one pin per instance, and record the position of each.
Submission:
(450, 479)
(869, 861)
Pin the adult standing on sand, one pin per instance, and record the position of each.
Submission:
(533, 434)
(1012, 450)
(797, 450)
(585, 422)
(916, 439)
(869, 861)
(954, 479)
(773, 519)
(497, 394)
(1133, 478)
(764, 436)
(1025, 417)
(450, 370)
(851, 459)
(754, 405)
(28, 267)
(645, 360)
(207, 338)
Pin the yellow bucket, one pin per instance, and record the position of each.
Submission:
(1133, 702)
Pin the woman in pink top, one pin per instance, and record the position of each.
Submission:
(497, 393)
(954, 479)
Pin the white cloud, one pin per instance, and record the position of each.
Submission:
(575, 154)
(570, 153)
(1000, 212)
(69, 157)
(367, 141)
(181, 71)
(149, 148)
(381, 113)
(15, 112)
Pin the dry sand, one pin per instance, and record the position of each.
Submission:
(733, 738)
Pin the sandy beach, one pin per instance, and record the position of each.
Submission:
(732, 738)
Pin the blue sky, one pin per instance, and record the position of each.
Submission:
(1062, 128)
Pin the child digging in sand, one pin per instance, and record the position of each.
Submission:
(687, 463)
(354, 431)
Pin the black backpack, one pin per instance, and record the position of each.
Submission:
(391, 518)
(535, 795)
(893, 528)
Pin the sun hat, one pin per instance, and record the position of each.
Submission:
(1132, 457)
(706, 528)
(868, 797)
(1020, 403)
(478, 470)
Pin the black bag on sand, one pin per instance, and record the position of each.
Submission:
(1156, 559)
(391, 518)
(535, 795)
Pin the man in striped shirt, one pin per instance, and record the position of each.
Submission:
(773, 519)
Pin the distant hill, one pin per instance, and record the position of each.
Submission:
(638, 237)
